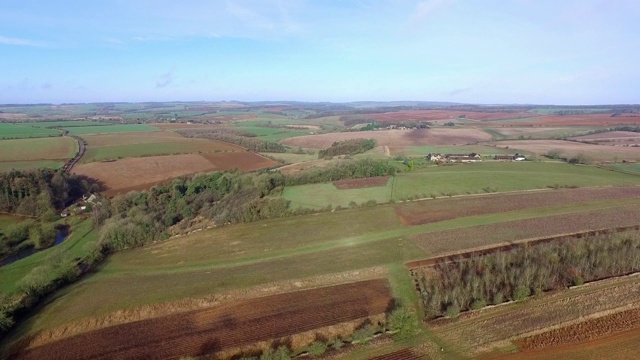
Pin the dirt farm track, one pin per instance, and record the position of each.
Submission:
(224, 327)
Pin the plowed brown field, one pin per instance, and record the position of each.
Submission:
(208, 331)
(574, 120)
(427, 211)
(436, 136)
(404, 354)
(361, 183)
(142, 173)
(451, 241)
(584, 331)
(434, 115)
(611, 138)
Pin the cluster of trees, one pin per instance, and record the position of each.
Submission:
(221, 198)
(473, 283)
(247, 142)
(40, 192)
(347, 147)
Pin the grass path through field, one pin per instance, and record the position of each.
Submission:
(112, 269)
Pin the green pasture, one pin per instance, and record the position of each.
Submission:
(6, 220)
(633, 168)
(245, 255)
(67, 123)
(12, 131)
(55, 148)
(29, 165)
(82, 235)
(272, 133)
(109, 129)
(317, 196)
(460, 179)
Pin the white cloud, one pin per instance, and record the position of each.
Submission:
(4, 40)
(164, 80)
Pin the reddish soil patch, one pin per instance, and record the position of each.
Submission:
(484, 236)
(244, 161)
(445, 115)
(574, 120)
(144, 172)
(361, 183)
(619, 138)
(212, 330)
(404, 354)
(428, 211)
(436, 136)
(584, 331)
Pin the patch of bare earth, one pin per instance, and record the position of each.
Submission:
(129, 174)
(435, 136)
(462, 239)
(219, 329)
(428, 211)
(361, 183)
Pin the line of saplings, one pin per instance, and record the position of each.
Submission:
(401, 324)
(347, 147)
(238, 137)
(473, 283)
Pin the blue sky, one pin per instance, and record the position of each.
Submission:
(475, 51)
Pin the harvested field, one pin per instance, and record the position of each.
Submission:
(474, 237)
(216, 329)
(569, 149)
(436, 136)
(404, 354)
(620, 138)
(140, 173)
(496, 327)
(572, 120)
(588, 330)
(428, 211)
(620, 346)
(109, 129)
(361, 183)
(447, 115)
(244, 161)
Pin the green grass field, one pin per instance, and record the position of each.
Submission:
(55, 148)
(6, 220)
(459, 180)
(136, 150)
(29, 165)
(634, 168)
(247, 255)
(11, 131)
(109, 129)
(67, 123)
(81, 236)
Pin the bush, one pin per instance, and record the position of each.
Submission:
(337, 344)
(521, 293)
(6, 321)
(478, 304)
(452, 311)
(317, 348)
(403, 322)
(364, 334)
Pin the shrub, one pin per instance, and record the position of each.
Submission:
(337, 344)
(521, 293)
(452, 311)
(317, 348)
(403, 322)
(364, 334)
(478, 304)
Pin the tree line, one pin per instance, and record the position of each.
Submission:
(347, 147)
(247, 142)
(463, 284)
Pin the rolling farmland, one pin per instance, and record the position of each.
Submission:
(227, 327)
(36, 153)
(14, 131)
